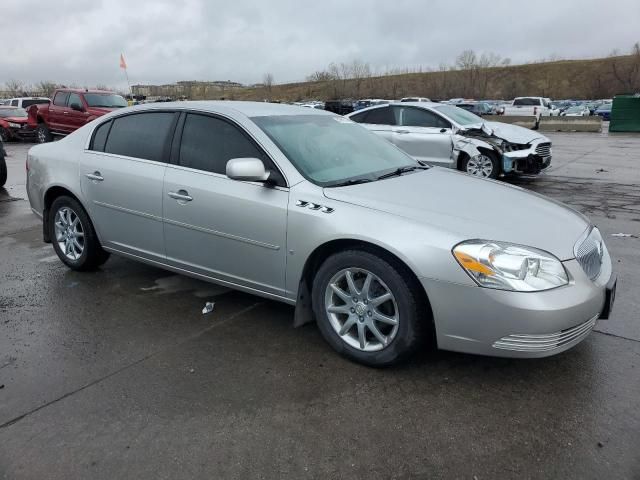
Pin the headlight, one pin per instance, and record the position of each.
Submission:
(14, 125)
(506, 266)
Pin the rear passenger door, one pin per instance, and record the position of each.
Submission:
(379, 120)
(225, 229)
(56, 111)
(424, 135)
(121, 176)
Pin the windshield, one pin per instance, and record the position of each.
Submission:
(330, 150)
(106, 100)
(13, 112)
(459, 115)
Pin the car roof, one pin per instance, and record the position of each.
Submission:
(30, 98)
(250, 109)
(399, 104)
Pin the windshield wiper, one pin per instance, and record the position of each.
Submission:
(399, 171)
(351, 182)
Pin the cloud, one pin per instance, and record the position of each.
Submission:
(79, 42)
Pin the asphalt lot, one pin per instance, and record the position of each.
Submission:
(117, 374)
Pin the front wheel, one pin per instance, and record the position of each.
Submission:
(4, 134)
(366, 309)
(73, 236)
(483, 165)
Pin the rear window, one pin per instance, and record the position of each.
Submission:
(26, 103)
(523, 102)
(379, 116)
(142, 135)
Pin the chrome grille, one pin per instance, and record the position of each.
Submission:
(547, 341)
(589, 253)
(544, 149)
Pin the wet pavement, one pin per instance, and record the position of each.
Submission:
(117, 374)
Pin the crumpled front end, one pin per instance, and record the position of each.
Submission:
(524, 158)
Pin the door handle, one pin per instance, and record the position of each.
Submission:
(401, 131)
(180, 195)
(95, 176)
(65, 112)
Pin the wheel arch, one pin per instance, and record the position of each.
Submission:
(325, 250)
(53, 192)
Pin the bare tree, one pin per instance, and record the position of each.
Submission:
(267, 81)
(359, 72)
(15, 87)
(46, 87)
(626, 70)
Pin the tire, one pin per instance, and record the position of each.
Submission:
(478, 165)
(4, 135)
(402, 339)
(86, 253)
(3, 169)
(43, 135)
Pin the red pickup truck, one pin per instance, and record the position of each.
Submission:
(70, 109)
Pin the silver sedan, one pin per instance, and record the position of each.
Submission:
(449, 136)
(308, 208)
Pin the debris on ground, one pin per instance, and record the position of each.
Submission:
(600, 170)
(192, 370)
(208, 308)
(600, 444)
(1, 386)
(623, 235)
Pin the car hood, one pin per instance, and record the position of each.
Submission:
(472, 208)
(514, 133)
(16, 119)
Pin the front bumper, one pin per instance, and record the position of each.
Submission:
(485, 321)
(526, 162)
(23, 132)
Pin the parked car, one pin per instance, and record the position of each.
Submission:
(71, 109)
(341, 107)
(604, 111)
(530, 106)
(3, 164)
(13, 124)
(24, 102)
(577, 111)
(415, 99)
(309, 208)
(479, 108)
(449, 136)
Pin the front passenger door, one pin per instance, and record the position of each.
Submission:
(424, 135)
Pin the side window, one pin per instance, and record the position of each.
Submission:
(100, 137)
(14, 103)
(74, 98)
(208, 143)
(358, 118)
(61, 99)
(142, 135)
(417, 117)
(379, 116)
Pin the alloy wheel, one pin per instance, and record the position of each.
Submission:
(361, 309)
(480, 166)
(69, 233)
(42, 135)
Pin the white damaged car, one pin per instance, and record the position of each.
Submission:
(448, 136)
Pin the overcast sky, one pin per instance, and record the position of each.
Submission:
(80, 41)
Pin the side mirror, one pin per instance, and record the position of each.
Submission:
(247, 170)
(76, 106)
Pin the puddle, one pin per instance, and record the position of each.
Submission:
(180, 283)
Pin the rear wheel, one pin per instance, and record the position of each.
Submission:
(43, 135)
(73, 236)
(484, 165)
(366, 309)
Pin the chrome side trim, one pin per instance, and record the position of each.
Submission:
(222, 234)
(314, 206)
(547, 341)
(127, 210)
(226, 283)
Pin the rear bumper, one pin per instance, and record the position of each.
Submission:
(485, 321)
